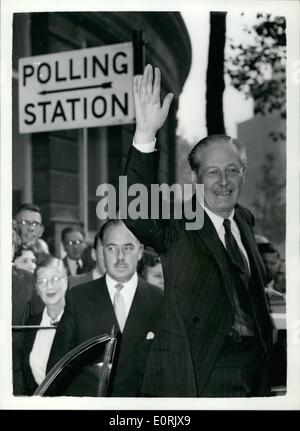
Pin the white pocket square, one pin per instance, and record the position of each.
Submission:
(150, 335)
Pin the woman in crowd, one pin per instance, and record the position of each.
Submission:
(150, 268)
(25, 259)
(22, 291)
(51, 284)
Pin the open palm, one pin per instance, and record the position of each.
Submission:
(150, 113)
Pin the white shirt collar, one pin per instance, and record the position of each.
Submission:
(128, 290)
(218, 224)
(132, 283)
(73, 265)
(217, 220)
(73, 262)
(46, 319)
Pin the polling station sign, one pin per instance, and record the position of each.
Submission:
(74, 89)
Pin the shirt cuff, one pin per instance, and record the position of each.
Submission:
(145, 148)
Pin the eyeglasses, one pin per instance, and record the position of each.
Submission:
(33, 224)
(73, 242)
(55, 281)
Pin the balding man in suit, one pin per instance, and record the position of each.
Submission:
(216, 331)
(119, 298)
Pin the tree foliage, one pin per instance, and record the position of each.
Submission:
(270, 202)
(257, 67)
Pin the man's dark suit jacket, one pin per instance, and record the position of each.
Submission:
(82, 270)
(76, 280)
(89, 312)
(197, 309)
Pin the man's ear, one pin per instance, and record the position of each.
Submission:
(141, 251)
(93, 254)
(42, 228)
(193, 179)
(244, 176)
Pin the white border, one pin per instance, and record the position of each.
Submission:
(291, 9)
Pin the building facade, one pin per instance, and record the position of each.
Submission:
(264, 191)
(60, 170)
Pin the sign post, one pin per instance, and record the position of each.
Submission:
(75, 89)
(139, 51)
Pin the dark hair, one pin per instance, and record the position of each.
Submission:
(20, 251)
(107, 225)
(17, 242)
(267, 248)
(70, 229)
(149, 259)
(96, 239)
(194, 156)
(29, 207)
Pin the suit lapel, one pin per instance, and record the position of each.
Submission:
(137, 320)
(249, 244)
(210, 237)
(35, 320)
(101, 306)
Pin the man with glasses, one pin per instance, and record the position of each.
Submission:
(25, 302)
(74, 245)
(97, 272)
(30, 226)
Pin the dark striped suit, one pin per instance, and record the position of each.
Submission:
(89, 312)
(193, 347)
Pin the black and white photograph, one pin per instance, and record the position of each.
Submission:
(150, 190)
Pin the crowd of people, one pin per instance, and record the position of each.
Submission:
(40, 281)
(190, 307)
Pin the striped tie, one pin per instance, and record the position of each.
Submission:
(119, 306)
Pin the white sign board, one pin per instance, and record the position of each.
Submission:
(75, 89)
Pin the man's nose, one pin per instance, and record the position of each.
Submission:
(223, 178)
(120, 254)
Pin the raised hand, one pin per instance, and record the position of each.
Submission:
(150, 113)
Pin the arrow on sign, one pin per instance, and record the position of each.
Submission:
(88, 87)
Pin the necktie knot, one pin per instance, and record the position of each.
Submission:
(78, 267)
(227, 225)
(119, 287)
(54, 322)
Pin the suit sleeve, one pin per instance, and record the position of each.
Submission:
(247, 214)
(65, 337)
(142, 168)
